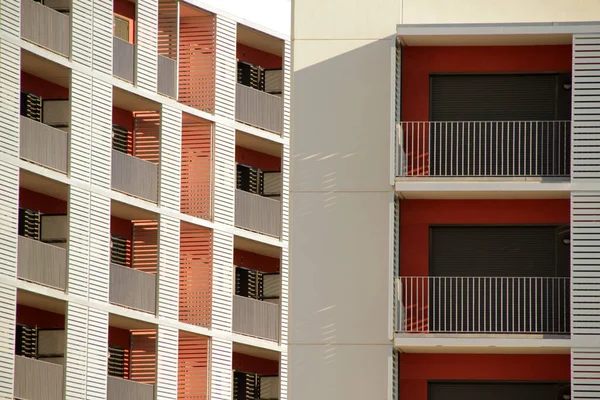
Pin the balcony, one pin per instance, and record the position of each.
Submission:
(134, 176)
(132, 288)
(42, 263)
(260, 109)
(46, 27)
(119, 388)
(257, 213)
(123, 59)
(167, 76)
(484, 149)
(43, 144)
(483, 305)
(38, 380)
(255, 318)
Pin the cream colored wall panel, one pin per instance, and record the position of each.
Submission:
(102, 35)
(79, 242)
(10, 91)
(341, 138)
(97, 362)
(224, 174)
(283, 376)
(102, 133)
(343, 248)
(147, 42)
(221, 369)
(76, 352)
(8, 317)
(81, 126)
(284, 298)
(222, 289)
(287, 87)
(225, 67)
(10, 18)
(166, 371)
(9, 218)
(170, 158)
(99, 247)
(285, 193)
(168, 274)
(82, 17)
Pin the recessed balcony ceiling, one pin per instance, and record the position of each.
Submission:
(485, 40)
(259, 40)
(45, 69)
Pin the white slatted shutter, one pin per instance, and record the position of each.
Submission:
(101, 134)
(76, 354)
(10, 92)
(221, 369)
(102, 35)
(287, 87)
(82, 17)
(224, 174)
(99, 247)
(8, 316)
(166, 379)
(222, 306)
(81, 126)
(10, 18)
(170, 158)
(97, 362)
(79, 239)
(226, 71)
(147, 44)
(9, 217)
(168, 276)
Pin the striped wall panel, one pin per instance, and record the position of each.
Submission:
(168, 350)
(193, 374)
(285, 193)
(99, 247)
(224, 174)
(102, 35)
(395, 376)
(283, 376)
(397, 108)
(143, 356)
(144, 251)
(222, 280)
(197, 60)
(221, 369)
(79, 239)
(287, 87)
(102, 133)
(82, 17)
(285, 289)
(9, 217)
(586, 111)
(168, 276)
(170, 158)
(396, 245)
(147, 136)
(76, 353)
(147, 44)
(585, 371)
(97, 368)
(10, 92)
(81, 126)
(226, 67)
(8, 316)
(195, 275)
(168, 15)
(10, 18)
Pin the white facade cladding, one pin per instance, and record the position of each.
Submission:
(104, 231)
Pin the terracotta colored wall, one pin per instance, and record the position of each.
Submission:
(258, 262)
(417, 369)
(123, 117)
(256, 159)
(121, 227)
(258, 57)
(125, 8)
(261, 366)
(42, 88)
(42, 319)
(419, 62)
(41, 202)
(417, 215)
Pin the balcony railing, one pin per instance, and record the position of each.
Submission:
(255, 318)
(257, 213)
(258, 108)
(46, 27)
(132, 288)
(119, 389)
(42, 263)
(484, 148)
(134, 176)
(501, 305)
(123, 59)
(167, 76)
(43, 144)
(38, 380)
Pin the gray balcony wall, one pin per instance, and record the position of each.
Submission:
(42, 263)
(255, 318)
(38, 380)
(44, 145)
(167, 76)
(46, 27)
(119, 389)
(132, 288)
(257, 213)
(134, 176)
(123, 59)
(259, 109)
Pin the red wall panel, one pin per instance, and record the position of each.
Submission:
(258, 57)
(256, 159)
(42, 319)
(42, 88)
(242, 258)
(41, 202)
(261, 366)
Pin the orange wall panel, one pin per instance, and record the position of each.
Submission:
(192, 383)
(145, 246)
(258, 57)
(256, 159)
(143, 355)
(258, 262)
(261, 366)
(42, 203)
(196, 167)
(122, 338)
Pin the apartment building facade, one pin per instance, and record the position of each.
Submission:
(144, 165)
(444, 200)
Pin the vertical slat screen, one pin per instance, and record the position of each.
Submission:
(8, 316)
(143, 356)
(79, 241)
(81, 20)
(224, 174)
(283, 376)
(221, 369)
(76, 352)
(197, 61)
(195, 272)
(81, 126)
(145, 246)
(147, 41)
(226, 67)
(9, 217)
(167, 368)
(284, 297)
(170, 156)
(196, 167)
(10, 21)
(97, 371)
(102, 35)
(193, 367)
(395, 376)
(168, 277)
(287, 86)
(101, 134)
(99, 247)
(147, 136)
(167, 28)
(10, 92)
(222, 286)
(396, 246)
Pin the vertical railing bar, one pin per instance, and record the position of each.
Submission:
(423, 303)
(455, 304)
(472, 280)
(478, 304)
(530, 147)
(535, 297)
(445, 306)
(501, 285)
(495, 173)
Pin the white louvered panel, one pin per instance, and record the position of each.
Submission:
(224, 174)
(586, 114)
(395, 376)
(8, 316)
(226, 67)
(170, 158)
(81, 20)
(99, 247)
(10, 19)
(97, 362)
(283, 376)
(166, 378)
(81, 126)
(147, 44)
(221, 369)
(79, 241)
(285, 193)
(102, 35)
(76, 352)
(585, 373)
(168, 275)
(285, 289)
(102, 133)
(9, 218)
(10, 64)
(287, 87)
(222, 280)
(396, 262)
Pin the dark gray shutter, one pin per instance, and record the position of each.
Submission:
(119, 139)
(118, 250)
(26, 341)
(249, 283)
(116, 361)
(251, 75)
(245, 386)
(31, 106)
(29, 223)
(250, 179)
(497, 390)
